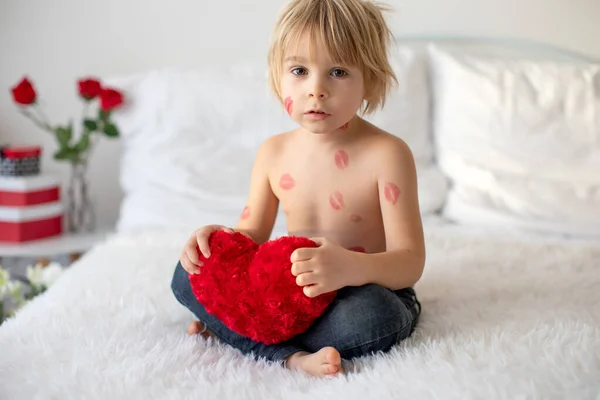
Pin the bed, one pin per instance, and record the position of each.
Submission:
(510, 293)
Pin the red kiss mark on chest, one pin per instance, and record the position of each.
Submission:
(341, 159)
(336, 200)
(392, 192)
(286, 182)
(356, 218)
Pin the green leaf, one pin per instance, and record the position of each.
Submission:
(67, 153)
(83, 143)
(63, 135)
(90, 124)
(111, 130)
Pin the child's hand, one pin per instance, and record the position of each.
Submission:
(325, 268)
(189, 259)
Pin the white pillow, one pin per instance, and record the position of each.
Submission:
(406, 112)
(190, 138)
(519, 139)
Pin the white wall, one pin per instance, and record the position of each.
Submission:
(55, 42)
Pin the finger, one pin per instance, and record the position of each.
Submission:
(302, 254)
(189, 266)
(192, 252)
(306, 279)
(226, 229)
(301, 267)
(312, 290)
(202, 240)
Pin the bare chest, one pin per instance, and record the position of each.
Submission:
(334, 196)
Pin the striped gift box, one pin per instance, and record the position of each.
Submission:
(30, 208)
(20, 161)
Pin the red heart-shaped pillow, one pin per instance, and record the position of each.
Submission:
(251, 289)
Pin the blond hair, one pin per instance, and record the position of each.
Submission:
(353, 31)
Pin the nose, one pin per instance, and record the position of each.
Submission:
(318, 89)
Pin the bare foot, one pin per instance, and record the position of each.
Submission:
(326, 361)
(196, 327)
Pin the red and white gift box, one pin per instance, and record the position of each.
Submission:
(30, 208)
(20, 160)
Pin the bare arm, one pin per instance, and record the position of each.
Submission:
(401, 265)
(256, 220)
(258, 217)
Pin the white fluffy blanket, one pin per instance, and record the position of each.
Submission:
(503, 318)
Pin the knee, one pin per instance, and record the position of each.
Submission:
(180, 284)
(366, 319)
(373, 306)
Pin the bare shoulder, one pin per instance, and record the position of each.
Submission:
(271, 147)
(388, 151)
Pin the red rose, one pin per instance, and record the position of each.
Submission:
(89, 88)
(109, 99)
(23, 92)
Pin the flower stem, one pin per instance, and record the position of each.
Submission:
(40, 124)
(46, 120)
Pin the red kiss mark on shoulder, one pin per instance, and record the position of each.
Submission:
(286, 182)
(341, 159)
(392, 192)
(336, 200)
(288, 102)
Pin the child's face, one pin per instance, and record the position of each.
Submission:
(336, 90)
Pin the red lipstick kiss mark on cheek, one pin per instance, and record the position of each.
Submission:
(341, 159)
(246, 213)
(289, 105)
(336, 200)
(392, 192)
(355, 218)
(286, 182)
(357, 248)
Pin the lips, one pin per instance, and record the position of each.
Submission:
(316, 111)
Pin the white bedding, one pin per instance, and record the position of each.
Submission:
(503, 318)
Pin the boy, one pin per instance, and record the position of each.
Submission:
(341, 181)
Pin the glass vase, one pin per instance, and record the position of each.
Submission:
(80, 210)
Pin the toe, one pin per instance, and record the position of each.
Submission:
(333, 356)
(194, 328)
(327, 369)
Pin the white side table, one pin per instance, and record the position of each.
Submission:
(73, 245)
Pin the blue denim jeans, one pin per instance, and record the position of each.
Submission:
(361, 320)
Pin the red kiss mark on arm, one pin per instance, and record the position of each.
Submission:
(392, 192)
(357, 248)
(246, 213)
(286, 182)
(289, 105)
(341, 159)
(336, 200)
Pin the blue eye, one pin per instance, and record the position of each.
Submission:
(299, 71)
(339, 73)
